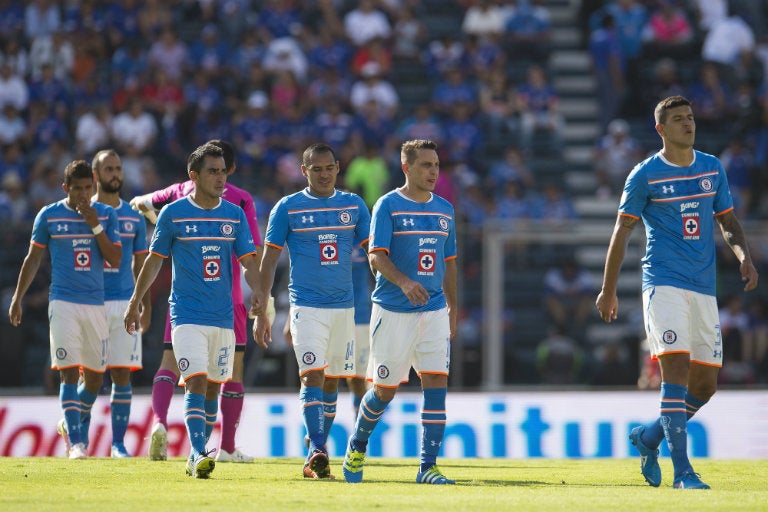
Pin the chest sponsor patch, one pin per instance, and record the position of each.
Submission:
(426, 262)
(83, 260)
(211, 268)
(329, 253)
(691, 226)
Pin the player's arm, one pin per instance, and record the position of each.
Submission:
(607, 302)
(734, 236)
(147, 276)
(28, 271)
(451, 295)
(146, 301)
(262, 331)
(143, 205)
(112, 251)
(381, 262)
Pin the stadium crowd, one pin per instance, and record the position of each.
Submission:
(155, 78)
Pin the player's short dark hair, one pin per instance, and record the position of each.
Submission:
(660, 112)
(77, 169)
(227, 150)
(195, 160)
(410, 148)
(318, 147)
(96, 161)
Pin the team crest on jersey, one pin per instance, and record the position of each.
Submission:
(183, 364)
(211, 268)
(443, 223)
(691, 226)
(427, 262)
(227, 229)
(61, 353)
(329, 253)
(345, 217)
(382, 371)
(706, 184)
(127, 226)
(309, 358)
(669, 337)
(83, 260)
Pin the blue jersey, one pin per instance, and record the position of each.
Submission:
(77, 265)
(678, 206)
(419, 238)
(361, 281)
(119, 282)
(320, 233)
(202, 243)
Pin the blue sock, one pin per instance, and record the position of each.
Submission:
(329, 412)
(86, 404)
(432, 425)
(314, 418)
(673, 419)
(70, 405)
(120, 404)
(371, 409)
(356, 401)
(194, 419)
(693, 404)
(211, 411)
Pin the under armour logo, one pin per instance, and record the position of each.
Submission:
(62, 227)
(191, 229)
(668, 189)
(717, 354)
(305, 219)
(407, 222)
(348, 366)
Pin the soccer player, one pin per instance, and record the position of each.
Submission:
(203, 233)
(320, 226)
(361, 279)
(413, 252)
(124, 350)
(678, 193)
(80, 236)
(167, 375)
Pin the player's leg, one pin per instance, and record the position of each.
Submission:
(340, 354)
(359, 387)
(358, 384)
(95, 332)
(164, 382)
(65, 348)
(120, 409)
(232, 395)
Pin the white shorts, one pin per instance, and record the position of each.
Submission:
(400, 341)
(324, 339)
(362, 346)
(124, 350)
(680, 321)
(204, 350)
(78, 334)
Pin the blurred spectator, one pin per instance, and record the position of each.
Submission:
(154, 16)
(45, 126)
(129, 62)
(484, 19)
(169, 53)
(13, 128)
(529, 31)
(726, 39)
(328, 86)
(464, 138)
(45, 189)
(279, 18)
(538, 105)
(409, 35)
(568, 296)
(163, 96)
(735, 330)
(93, 129)
(374, 50)
(553, 206)
(443, 54)
(11, 19)
(709, 12)
(365, 22)
(328, 52)
(454, 88)
(422, 124)
(668, 31)
(285, 54)
(559, 358)
(248, 52)
(367, 175)
(210, 53)
(373, 126)
(55, 50)
(664, 82)
(251, 132)
(14, 205)
(41, 18)
(510, 168)
(48, 90)
(609, 67)
(16, 56)
(202, 93)
(483, 57)
(615, 154)
(135, 128)
(12, 161)
(498, 106)
(285, 91)
(739, 166)
(710, 95)
(13, 88)
(334, 126)
(512, 203)
(373, 87)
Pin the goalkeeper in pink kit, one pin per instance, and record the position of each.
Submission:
(167, 375)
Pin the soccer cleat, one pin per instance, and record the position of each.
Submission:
(158, 443)
(353, 465)
(433, 476)
(119, 451)
(61, 428)
(201, 466)
(235, 456)
(317, 466)
(689, 480)
(78, 451)
(649, 459)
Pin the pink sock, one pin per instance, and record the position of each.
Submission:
(162, 391)
(231, 407)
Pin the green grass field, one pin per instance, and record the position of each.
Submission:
(276, 484)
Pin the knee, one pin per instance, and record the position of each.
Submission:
(703, 391)
(313, 379)
(385, 394)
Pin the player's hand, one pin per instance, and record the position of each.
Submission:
(416, 293)
(88, 213)
(131, 318)
(262, 331)
(748, 275)
(142, 204)
(608, 306)
(14, 313)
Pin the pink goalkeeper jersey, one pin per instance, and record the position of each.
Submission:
(232, 194)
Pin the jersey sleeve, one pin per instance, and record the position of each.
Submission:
(363, 228)
(635, 195)
(112, 227)
(277, 227)
(140, 240)
(167, 195)
(450, 243)
(163, 235)
(40, 234)
(253, 222)
(243, 241)
(381, 227)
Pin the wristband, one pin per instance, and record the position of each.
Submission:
(97, 229)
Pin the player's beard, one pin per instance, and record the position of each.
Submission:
(113, 186)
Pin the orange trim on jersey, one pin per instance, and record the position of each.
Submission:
(449, 258)
(682, 198)
(158, 254)
(143, 251)
(622, 214)
(379, 249)
(321, 228)
(676, 178)
(364, 241)
(37, 244)
(254, 254)
(420, 213)
(201, 219)
(724, 211)
(441, 233)
(353, 207)
(270, 244)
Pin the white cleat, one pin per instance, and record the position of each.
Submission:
(235, 456)
(158, 443)
(78, 451)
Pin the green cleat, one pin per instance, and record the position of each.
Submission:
(353, 465)
(433, 476)
(201, 466)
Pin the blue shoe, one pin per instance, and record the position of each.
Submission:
(433, 476)
(119, 451)
(353, 465)
(649, 459)
(689, 480)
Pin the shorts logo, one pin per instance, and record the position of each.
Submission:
(669, 337)
(426, 262)
(443, 223)
(308, 358)
(211, 268)
(705, 184)
(61, 353)
(329, 253)
(82, 260)
(691, 226)
(382, 371)
(345, 217)
(183, 364)
(227, 229)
